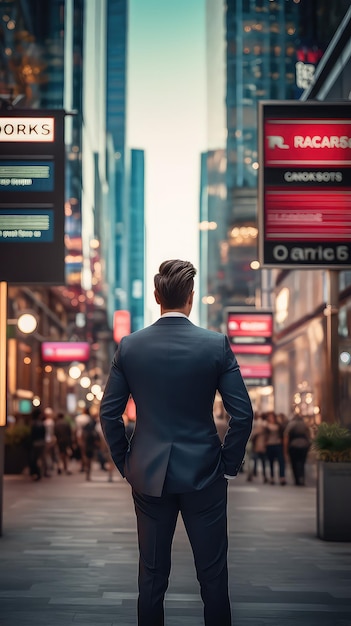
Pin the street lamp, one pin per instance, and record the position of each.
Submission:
(96, 389)
(75, 371)
(27, 323)
(85, 382)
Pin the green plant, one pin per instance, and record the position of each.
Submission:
(333, 443)
(17, 434)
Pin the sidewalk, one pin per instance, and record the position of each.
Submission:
(68, 555)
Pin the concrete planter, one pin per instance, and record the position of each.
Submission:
(333, 501)
(16, 458)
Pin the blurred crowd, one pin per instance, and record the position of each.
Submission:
(65, 444)
(275, 443)
(61, 444)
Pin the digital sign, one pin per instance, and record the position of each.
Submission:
(32, 177)
(250, 335)
(256, 374)
(305, 184)
(65, 351)
(121, 325)
(27, 128)
(21, 175)
(26, 225)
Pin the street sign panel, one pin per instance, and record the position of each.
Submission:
(32, 173)
(305, 184)
(250, 334)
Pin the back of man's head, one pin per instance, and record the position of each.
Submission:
(174, 283)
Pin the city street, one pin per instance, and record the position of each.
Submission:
(68, 555)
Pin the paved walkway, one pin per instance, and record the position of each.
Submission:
(68, 555)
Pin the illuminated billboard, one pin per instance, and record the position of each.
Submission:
(121, 325)
(250, 335)
(37, 175)
(32, 175)
(27, 127)
(305, 184)
(65, 351)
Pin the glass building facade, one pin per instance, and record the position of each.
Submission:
(116, 88)
(136, 259)
(272, 49)
(213, 236)
(272, 52)
(41, 49)
(71, 55)
(125, 210)
(261, 55)
(312, 357)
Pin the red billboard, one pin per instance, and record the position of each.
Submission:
(121, 325)
(250, 334)
(65, 351)
(305, 184)
(257, 371)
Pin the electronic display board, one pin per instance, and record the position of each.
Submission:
(25, 224)
(305, 184)
(249, 332)
(38, 175)
(32, 173)
(65, 351)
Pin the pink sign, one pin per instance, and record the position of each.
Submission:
(256, 370)
(65, 351)
(250, 324)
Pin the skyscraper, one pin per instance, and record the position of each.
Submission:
(116, 89)
(136, 259)
(261, 42)
(271, 51)
(54, 54)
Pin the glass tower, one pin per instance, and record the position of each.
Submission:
(272, 48)
(71, 55)
(116, 86)
(137, 240)
(261, 42)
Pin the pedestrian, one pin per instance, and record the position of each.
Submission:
(51, 451)
(175, 461)
(275, 447)
(103, 456)
(80, 421)
(90, 444)
(63, 434)
(258, 440)
(220, 417)
(297, 442)
(103, 453)
(37, 445)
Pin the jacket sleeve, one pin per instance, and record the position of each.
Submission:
(237, 403)
(112, 407)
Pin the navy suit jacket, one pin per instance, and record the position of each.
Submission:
(172, 369)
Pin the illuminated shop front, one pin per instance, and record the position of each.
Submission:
(312, 336)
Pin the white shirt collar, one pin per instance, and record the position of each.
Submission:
(174, 314)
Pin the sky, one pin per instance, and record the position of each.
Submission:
(166, 117)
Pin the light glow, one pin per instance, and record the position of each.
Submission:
(27, 323)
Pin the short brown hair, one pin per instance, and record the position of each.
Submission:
(174, 283)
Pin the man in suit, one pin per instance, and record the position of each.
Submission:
(175, 461)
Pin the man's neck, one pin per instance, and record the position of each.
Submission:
(184, 311)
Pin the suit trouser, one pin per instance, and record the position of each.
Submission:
(204, 514)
